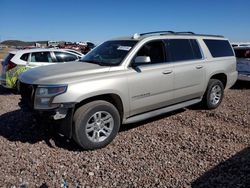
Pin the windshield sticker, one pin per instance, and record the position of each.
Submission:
(126, 48)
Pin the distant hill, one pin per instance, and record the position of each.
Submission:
(21, 43)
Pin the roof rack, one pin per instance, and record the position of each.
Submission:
(136, 35)
(185, 32)
(157, 32)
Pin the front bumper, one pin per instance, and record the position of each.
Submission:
(244, 77)
(62, 115)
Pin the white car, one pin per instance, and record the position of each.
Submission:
(19, 61)
(75, 52)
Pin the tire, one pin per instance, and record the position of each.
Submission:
(214, 94)
(96, 124)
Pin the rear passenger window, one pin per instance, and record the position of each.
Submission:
(219, 48)
(41, 57)
(65, 57)
(196, 49)
(183, 49)
(25, 57)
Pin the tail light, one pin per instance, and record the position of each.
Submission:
(10, 65)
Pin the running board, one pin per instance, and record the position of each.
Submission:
(154, 113)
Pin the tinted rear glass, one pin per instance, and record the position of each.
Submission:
(182, 50)
(25, 57)
(242, 53)
(196, 49)
(219, 48)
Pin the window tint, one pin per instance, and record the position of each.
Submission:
(41, 57)
(242, 53)
(219, 48)
(196, 49)
(183, 49)
(155, 50)
(65, 57)
(25, 57)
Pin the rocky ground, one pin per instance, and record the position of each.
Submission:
(188, 148)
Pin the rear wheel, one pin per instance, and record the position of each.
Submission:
(214, 94)
(96, 124)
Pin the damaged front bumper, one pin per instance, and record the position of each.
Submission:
(62, 116)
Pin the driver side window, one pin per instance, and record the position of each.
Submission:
(154, 50)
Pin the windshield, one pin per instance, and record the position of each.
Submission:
(242, 53)
(110, 53)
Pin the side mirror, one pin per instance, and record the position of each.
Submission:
(142, 59)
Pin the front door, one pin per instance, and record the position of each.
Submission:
(150, 85)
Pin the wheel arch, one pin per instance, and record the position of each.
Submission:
(220, 76)
(113, 98)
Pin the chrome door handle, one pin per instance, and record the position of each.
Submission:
(167, 72)
(199, 67)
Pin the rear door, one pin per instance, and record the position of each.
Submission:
(189, 68)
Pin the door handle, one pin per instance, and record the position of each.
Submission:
(199, 67)
(167, 72)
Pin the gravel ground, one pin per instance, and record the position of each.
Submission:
(188, 148)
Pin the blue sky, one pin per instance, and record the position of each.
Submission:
(100, 20)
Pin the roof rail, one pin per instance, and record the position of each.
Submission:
(185, 32)
(136, 36)
(156, 32)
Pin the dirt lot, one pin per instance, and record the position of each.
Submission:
(3, 52)
(188, 148)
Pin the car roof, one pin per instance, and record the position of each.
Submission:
(37, 50)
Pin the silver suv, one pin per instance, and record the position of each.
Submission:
(130, 79)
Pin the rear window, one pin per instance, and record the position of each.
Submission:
(25, 57)
(219, 48)
(182, 49)
(242, 53)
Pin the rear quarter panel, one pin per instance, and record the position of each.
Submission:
(226, 65)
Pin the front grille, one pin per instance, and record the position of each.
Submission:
(27, 92)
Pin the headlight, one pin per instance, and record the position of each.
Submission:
(45, 95)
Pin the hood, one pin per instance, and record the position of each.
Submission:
(61, 73)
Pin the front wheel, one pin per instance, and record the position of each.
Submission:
(214, 94)
(96, 124)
